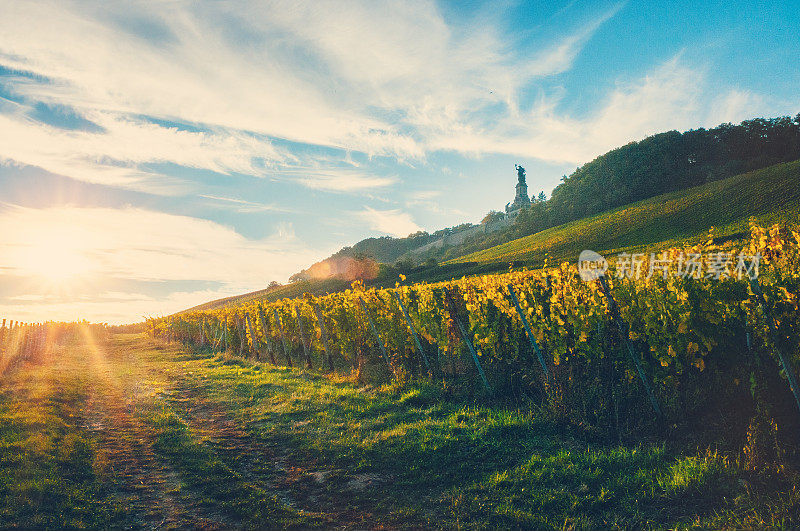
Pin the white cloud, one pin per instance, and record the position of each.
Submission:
(674, 95)
(394, 222)
(112, 156)
(425, 195)
(737, 105)
(244, 207)
(378, 78)
(229, 65)
(388, 78)
(343, 180)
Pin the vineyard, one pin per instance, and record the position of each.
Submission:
(21, 342)
(703, 342)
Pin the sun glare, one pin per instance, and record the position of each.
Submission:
(56, 258)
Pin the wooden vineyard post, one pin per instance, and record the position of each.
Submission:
(242, 335)
(217, 338)
(527, 327)
(787, 367)
(283, 339)
(303, 339)
(623, 332)
(748, 340)
(452, 309)
(321, 321)
(225, 334)
(28, 340)
(375, 333)
(252, 349)
(413, 330)
(203, 332)
(262, 321)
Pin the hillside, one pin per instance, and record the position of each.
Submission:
(769, 195)
(682, 182)
(659, 164)
(673, 161)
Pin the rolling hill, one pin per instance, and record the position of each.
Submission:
(769, 195)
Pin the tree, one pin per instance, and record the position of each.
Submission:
(298, 277)
(542, 197)
(493, 216)
(404, 264)
(672, 161)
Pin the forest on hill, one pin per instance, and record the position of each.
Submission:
(663, 163)
(659, 164)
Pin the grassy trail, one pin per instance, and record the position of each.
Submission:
(111, 433)
(123, 432)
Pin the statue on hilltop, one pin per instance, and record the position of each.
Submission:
(520, 174)
(521, 199)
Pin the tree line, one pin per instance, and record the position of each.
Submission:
(663, 163)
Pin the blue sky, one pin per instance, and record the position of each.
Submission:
(155, 155)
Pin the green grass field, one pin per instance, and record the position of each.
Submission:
(125, 432)
(769, 195)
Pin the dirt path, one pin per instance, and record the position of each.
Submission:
(125, 383)
(300, 485)
(146, 485)
(168, 452)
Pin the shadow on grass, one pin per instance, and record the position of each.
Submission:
(478, 464)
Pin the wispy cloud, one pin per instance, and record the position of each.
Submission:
(673, 95)
(144, 246)
(245, 207)
(394, 222)
(342, 180)
(245, 73)
(114, 155)
(425, 195)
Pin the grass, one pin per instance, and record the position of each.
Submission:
(48, 476)
(769, 195)
(437, 462)
(214, 478)
(217, 441)
(89, 439)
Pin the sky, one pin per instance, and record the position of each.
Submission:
(157, 155)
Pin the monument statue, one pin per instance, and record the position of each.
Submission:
(521, 199)
(520, 174)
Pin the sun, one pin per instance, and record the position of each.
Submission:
(56, 257)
